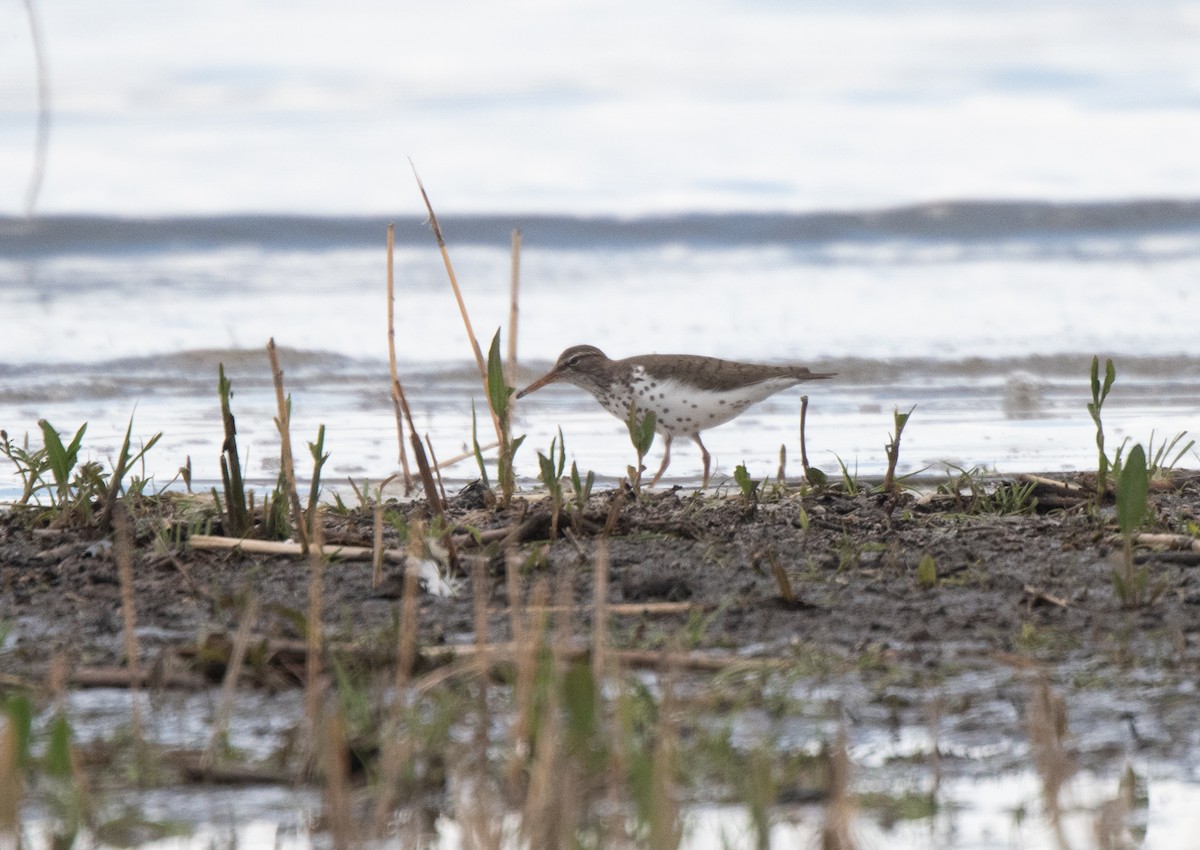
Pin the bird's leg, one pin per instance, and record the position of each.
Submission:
(707, 457)
(666, 460)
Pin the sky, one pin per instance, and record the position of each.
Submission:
(621, 106)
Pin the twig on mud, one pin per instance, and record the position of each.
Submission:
(122, 677)
(1046, 597)
(1062, 488)
(1178, 542)
(278, 547)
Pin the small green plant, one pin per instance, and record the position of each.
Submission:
(927, 575)
(236, 514)
(319, 456)
(581, 491)
(62, 460)
(892, 450)
(1100, 392)
(551, 472)
(1132, 586)
(1160, 463)
(641, 434)
(850, 483)
(746, 484)
(500, 398)
(125, 460)
(31, 465)
(477, 450)
(1006, 497)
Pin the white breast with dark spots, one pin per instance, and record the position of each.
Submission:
(683, 409)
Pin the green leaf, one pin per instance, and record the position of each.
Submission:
(483, 476)
(816, 477)
(19, 709)
(1133, 491)
(498, 389)
(744, 482)
(57, 760)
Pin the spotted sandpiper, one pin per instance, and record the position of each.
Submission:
(686, 392)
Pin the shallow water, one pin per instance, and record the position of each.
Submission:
(989, 335)
(969, 769)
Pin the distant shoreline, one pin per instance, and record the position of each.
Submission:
(956, 221)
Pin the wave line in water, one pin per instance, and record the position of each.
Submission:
(955, 221)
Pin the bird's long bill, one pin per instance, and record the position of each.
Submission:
(549, 378)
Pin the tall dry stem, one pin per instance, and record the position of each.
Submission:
(313, 689)
(123, 549)
(458, 296)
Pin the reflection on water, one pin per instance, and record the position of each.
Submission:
(962, 766)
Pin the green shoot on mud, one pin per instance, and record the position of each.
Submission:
(551, 470)
(892, 450)
(236, 515)
(477, 450)
(31, 465)
(581, 491)
(1161, 463)
(71, 487)
(641, 434)
(851, 486)
(1133, 491)
(814, 476)
(319, 456)
(125, 460)
(1099, 394)
(746, 484)
(500, 398)
(62, 460)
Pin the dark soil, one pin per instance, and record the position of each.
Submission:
(1035, 586)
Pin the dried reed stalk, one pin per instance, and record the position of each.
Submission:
(437, 471)
(600, 613)
(396, 743)
(12, 784)
(836, 832)
(377, 546)
(513, 309)
(233, 671)
(335, 761)
(312, 659)
(283, 423)
(406, 649)
(123, 549)
(391, 333)
(462, 306)
(550, 802)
